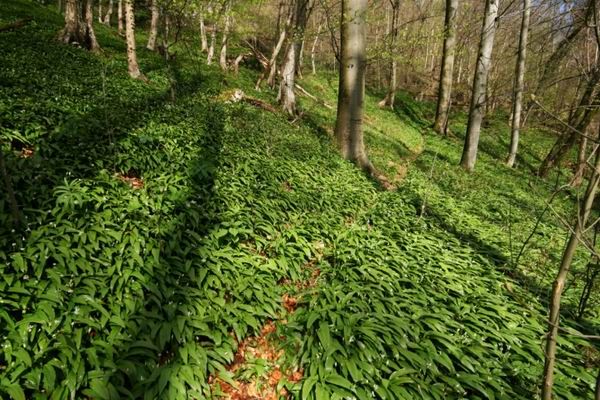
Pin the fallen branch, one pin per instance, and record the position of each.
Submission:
(310, 96)
(15, 25)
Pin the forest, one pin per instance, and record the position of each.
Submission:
(299, 199)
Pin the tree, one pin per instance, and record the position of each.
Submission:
(390, 97)
(225, 37)
(446, 73)
(72, 32)
(132, 64)
(480, 81)
(287, 97)
(519, 85)
(348, 125)
(109, 11)
(585, 208)
(153, 26)
(120, 17)
(89, 34)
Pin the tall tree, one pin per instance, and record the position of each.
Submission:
(88, 33)
(287, 97)
(225, 36)
(348, 125)
(390, 96)
(153, 25)
(480, 81)
(447, 70)
(519, 85)
(120, 17)
(577, 234)
(132, 64)
(109, 11)
(72, 31)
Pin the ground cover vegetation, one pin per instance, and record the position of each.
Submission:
(194, 229)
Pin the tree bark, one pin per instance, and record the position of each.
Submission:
(109, 12)
(72, 32)
(348, 126)
(225, 37)
(478, 97)
(313, 50)
(519, 85)
(120, 17)
(585, 208)
(100, 11)
(153, 26)
(581, 163)
(447, 70)
(132, 64)
(213, 41)
(91, 43)
(286, 96)
(390, 97)
(203, 38)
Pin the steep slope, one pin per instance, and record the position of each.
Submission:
(161, 233)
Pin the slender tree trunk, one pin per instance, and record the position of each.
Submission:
(597, 393)
(132, 64)
(519, 85)
(72, 32)
(447, 70)
(225, 37)
(109, 12)
(120, 17)
(478, 98)
(300, 59)
(585, 208)
(59, 6)
(272, 67)
(213, 41)
(348, 126)
(100, 11)
(91, 43)
(390, 97)
(313, 50)
(203, 38)
(153, 26)
(287, 97)
(581, 162)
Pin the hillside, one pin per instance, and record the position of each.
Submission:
(180, 245)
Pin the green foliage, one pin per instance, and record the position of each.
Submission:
(158, 234)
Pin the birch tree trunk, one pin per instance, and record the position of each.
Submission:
(447, 71)
(132, 64)
(109, 12)
(585, 208)
(348, 126)
(120, 17)
(390, 97)
(225, 37)
(72, 32)
(478, 98)
(91, 43)
(519, 85)
(213, 41)
(286, 96)
(272, 66)
(153, 26)
(100, 11)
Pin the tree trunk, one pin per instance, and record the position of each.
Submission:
(519, 85)
(153, 26)
(585, 208)
(203, 38)
(348, 126)
(225, 38)
(91, 43)
(478, 97)
(213, 41)
(100, 11)
(447, 70)
(287, 97)
(72, 32)
(120, 17)
(313, 50)
(132, 64)
(109, 12)
(390, 97)
(272, 67)
(581, 163)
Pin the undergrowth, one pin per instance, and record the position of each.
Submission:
(159, 234)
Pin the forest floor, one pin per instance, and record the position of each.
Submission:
(180, 245)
